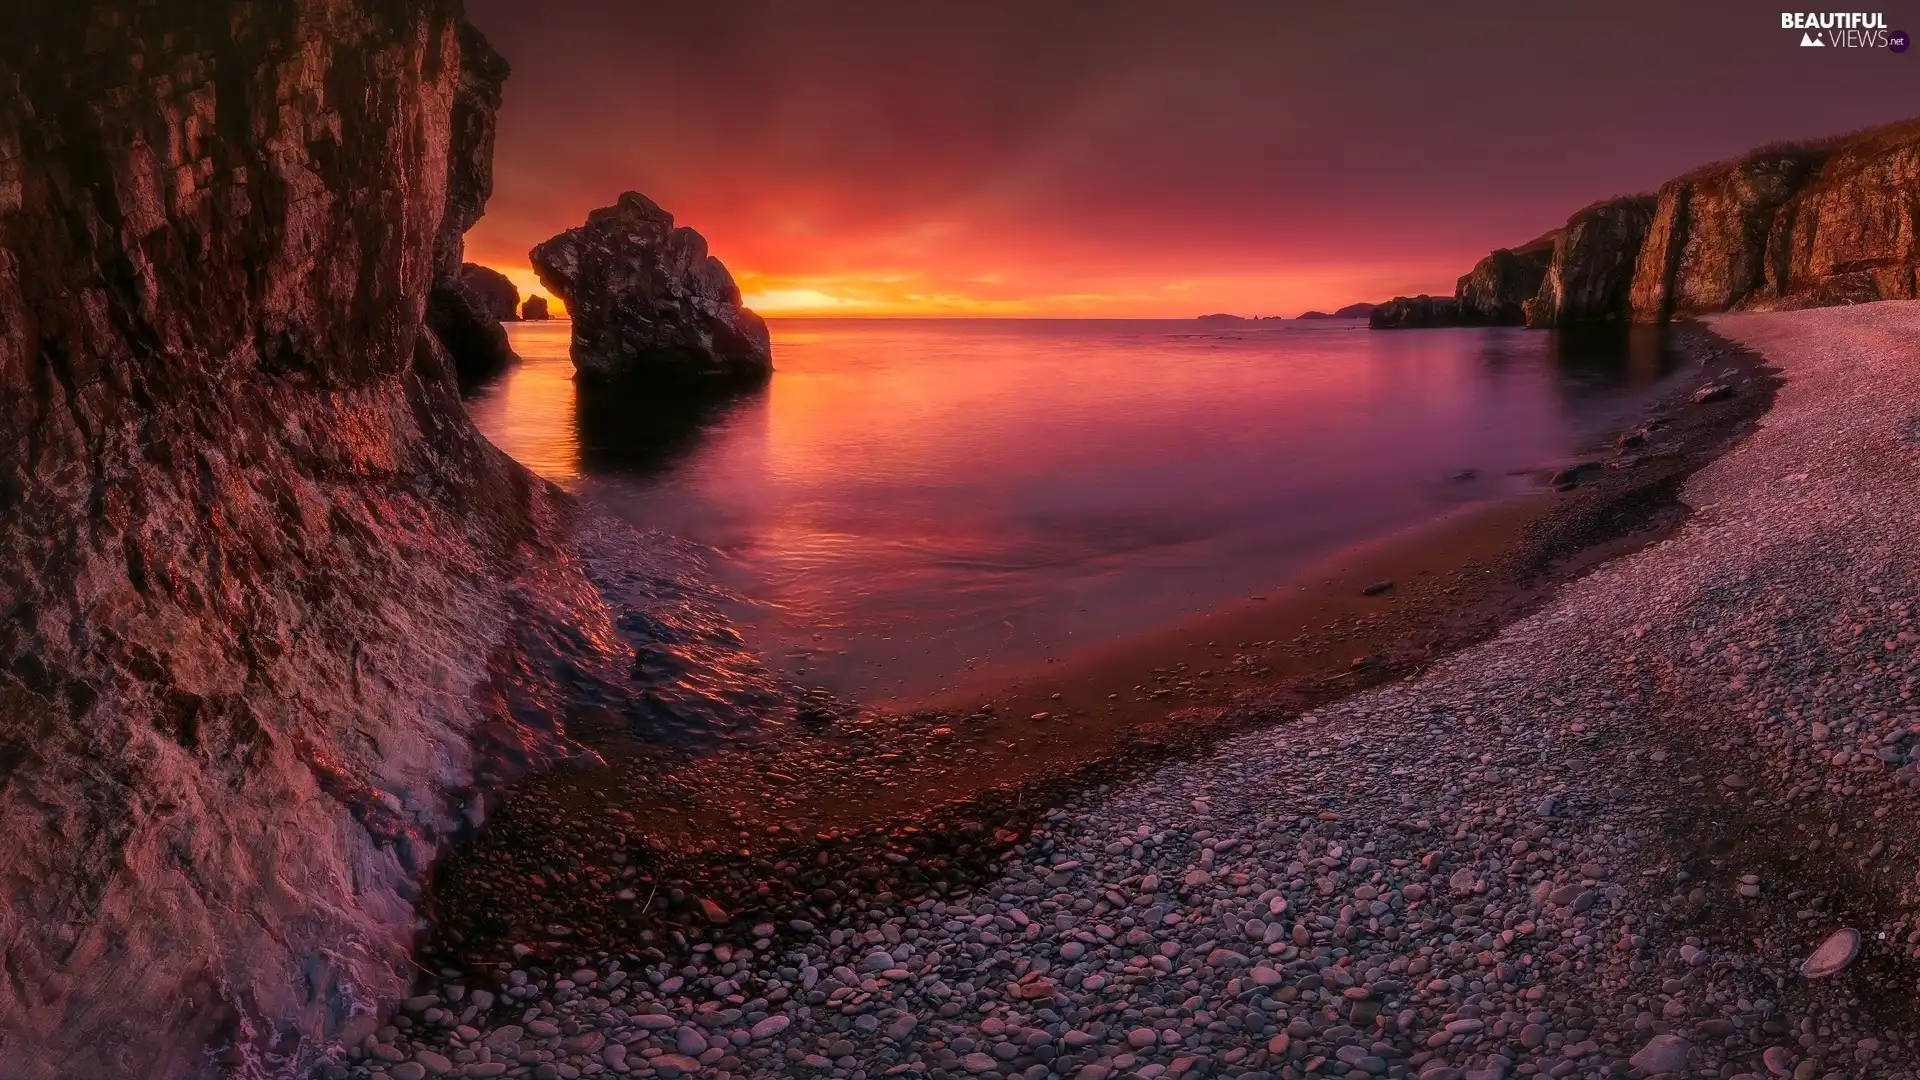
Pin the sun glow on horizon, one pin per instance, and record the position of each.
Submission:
(1041, 291)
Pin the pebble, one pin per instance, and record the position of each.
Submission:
(1833, 956)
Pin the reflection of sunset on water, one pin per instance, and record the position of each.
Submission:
(911, 497)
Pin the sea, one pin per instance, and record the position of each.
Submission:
(913, 503)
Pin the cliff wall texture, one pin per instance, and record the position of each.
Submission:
(1829, 222)
(254, 560)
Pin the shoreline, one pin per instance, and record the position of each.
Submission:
(1605, 842)
(936, 793)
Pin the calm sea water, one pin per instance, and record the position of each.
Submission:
(910, 500)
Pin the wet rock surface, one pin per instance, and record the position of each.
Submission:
(648, 303)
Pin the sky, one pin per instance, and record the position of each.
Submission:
(1112, 158)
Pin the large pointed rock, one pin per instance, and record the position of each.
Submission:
(648, 302)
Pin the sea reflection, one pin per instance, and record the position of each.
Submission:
(910, 499)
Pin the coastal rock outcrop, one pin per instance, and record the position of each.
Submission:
(464, 317)
(497, 294)
(1496, 290)
(648, 302)
(1786, 226)
(1590, 279)
(535, 309)
(1415, 312)
(1493, 293)
(255, 562)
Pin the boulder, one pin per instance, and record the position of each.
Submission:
(498, 295)
(256, 559)
(535, 309)
(648, 303)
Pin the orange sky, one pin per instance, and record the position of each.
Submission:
(866, 157)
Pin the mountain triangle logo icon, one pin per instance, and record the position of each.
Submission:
(1809, 40)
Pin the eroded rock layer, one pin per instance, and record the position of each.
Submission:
(254, 561)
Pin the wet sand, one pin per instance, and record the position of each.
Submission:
(618, 857)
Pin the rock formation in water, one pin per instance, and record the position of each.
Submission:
(535, 309)
(255, 563)
(648, 303)
(466, 319)
(499, 296)
(1829, 222)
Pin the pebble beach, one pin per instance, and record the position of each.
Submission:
(1653, 829)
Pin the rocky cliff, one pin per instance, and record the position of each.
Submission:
(1835, 221)
(648, 302)
(255, 564)
(535, 309)
(1493, 293)
(1496, 290)
(1590, 278)
(1797, 226)
(464, 317)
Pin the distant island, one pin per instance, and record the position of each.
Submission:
(1351, 311)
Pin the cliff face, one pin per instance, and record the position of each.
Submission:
(253, 558)
(1494, 292)
(1799, 227)
(1832, 222)
(1706, 249)
(648, 302)
(1590, 278)
(464, 318)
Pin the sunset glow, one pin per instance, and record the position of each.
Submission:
(995, 160)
